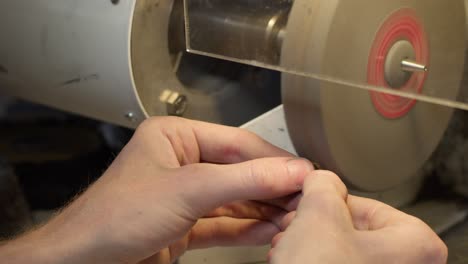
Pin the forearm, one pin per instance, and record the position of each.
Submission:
(29, 248)
(66, 238)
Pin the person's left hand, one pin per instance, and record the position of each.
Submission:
(177, 185)
(330, 226)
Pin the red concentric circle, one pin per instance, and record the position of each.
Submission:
(401, 25)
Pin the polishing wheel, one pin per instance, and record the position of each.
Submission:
(375, 141)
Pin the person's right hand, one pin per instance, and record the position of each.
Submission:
(331, 226)
(177, 185)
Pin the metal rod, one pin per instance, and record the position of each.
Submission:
(412, 66)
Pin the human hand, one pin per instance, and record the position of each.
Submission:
(331, 226)
(149, 205)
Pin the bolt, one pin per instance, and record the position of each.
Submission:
(176, 104)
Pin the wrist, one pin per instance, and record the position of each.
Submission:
(72, 237)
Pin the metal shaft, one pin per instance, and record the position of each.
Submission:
(250, 30)
(412, 66)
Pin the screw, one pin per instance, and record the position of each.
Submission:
(115, 2)
(131, 117)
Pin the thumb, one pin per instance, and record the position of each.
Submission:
(208, 186)
(324, 201)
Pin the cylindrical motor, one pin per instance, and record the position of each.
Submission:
(122, 61)
(74, 55)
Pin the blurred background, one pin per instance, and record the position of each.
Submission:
(47, 157)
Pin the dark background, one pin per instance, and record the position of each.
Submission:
(46, 158)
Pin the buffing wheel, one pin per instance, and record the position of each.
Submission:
(374, 141)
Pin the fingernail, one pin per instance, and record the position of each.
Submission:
(299, 168)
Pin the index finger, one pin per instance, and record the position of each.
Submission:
(196, 141)
(222, 144)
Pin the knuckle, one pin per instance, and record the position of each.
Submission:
(155, 128)
(326, 181)
(334, 178)
(247, 137)
(433, 249)
(366, 222)
(246, 134)
(239, 138)
(157, 122)
(438, 252)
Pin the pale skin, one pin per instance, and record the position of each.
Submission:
(181, 185)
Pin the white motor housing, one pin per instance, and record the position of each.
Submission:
(121, 61)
